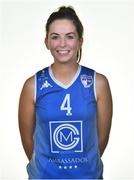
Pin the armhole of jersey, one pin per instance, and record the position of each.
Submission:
(95, 86)
(35, 87)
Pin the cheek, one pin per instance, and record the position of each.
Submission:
(52, 44)
(75, 45)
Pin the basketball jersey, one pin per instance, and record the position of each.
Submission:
(65, 136)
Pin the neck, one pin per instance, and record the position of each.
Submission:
(64, 72)
(60, 68)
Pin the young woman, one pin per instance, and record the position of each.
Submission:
(65, 110)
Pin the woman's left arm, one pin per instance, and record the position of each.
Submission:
(104, 111)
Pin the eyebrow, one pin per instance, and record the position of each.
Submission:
(65, 34)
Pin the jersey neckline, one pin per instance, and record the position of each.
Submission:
(60, 83)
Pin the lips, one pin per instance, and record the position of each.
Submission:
(63, 52)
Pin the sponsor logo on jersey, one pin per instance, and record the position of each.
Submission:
(86, 80)
(45, 84)
(66, 136)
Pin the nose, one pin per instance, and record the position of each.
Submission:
(62, 42)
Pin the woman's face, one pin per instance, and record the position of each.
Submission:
(63, 41)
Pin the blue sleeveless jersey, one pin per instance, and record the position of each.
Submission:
(65, 136)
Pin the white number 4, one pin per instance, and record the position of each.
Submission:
(65, 106)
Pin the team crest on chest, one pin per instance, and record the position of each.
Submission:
(86, 80)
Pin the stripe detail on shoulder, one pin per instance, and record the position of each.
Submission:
(35, 87)
(95, 86)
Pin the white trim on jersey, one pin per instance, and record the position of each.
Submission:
(60, 83)
(95, 86)
(35, 87)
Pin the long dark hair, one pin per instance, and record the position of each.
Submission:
(70, 14)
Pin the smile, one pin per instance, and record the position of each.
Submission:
(63, 52)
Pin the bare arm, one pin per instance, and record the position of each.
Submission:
(104, 111)
(26, 116)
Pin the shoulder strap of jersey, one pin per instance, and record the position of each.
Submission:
(90, 74)
(39, 82)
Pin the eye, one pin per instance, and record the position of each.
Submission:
(70, 37)
(54, 37)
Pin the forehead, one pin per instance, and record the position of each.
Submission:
(62, 26)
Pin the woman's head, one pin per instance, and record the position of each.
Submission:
(67, 13)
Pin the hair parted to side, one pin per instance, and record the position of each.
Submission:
(70, 14)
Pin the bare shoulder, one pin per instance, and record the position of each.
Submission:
(29, 83)
(101, 80)
(102, 85)
(28, 88)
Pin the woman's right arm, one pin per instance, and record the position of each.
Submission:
(26, 116)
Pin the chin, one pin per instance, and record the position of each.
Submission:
(62, 60)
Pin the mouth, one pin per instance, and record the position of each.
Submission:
(63, 52)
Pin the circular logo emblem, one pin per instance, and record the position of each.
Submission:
(66, 137)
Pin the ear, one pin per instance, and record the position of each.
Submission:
(81, 42)
(46, 43)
